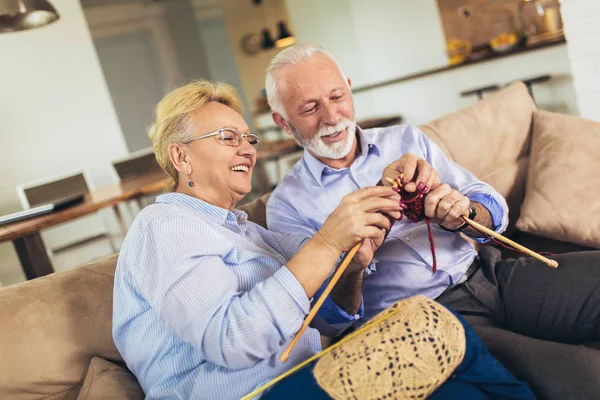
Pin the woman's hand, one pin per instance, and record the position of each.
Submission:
(366, 252)
(360, 215)
(416, 172)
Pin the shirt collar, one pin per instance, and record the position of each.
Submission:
(316, 167)
(220, 215)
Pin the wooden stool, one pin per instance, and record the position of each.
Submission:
(479, 91)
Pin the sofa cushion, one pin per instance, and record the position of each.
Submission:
(509, 181)
(490, 133)
(257, 210)
(51, 328)
(105, 380)
(562, 189)
(70, 394)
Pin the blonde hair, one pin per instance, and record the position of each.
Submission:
(174, 122)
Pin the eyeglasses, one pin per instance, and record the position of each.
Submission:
(230, 137)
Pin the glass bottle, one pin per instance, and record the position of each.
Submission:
(540, 17)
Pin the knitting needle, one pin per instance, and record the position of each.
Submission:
(313, 312)
(286, 354)
(370, 324)
(483, 229)
(393, 182)
(489, 232)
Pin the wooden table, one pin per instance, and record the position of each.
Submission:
(26, 237)
(271, 151)
(379, 122)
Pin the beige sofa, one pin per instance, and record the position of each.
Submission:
(56, 330)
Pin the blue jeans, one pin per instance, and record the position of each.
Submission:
(479, 376)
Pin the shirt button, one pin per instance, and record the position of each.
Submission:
(407, 239)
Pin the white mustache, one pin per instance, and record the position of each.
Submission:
(331, 130)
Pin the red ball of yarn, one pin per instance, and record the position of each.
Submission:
(415, 212)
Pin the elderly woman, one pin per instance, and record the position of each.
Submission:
(204, 300)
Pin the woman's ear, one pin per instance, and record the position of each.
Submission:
(180, 159)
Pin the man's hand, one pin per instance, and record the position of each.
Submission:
(417, 173)
(365, 253)
(446, 206)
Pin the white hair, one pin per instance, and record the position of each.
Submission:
(290, 56)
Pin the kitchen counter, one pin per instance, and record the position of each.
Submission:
(490, 57)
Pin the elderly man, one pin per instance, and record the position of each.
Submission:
(527, 314)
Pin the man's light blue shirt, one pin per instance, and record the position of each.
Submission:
(204, 303)
(403, 264)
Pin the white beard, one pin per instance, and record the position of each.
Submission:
(334, 151)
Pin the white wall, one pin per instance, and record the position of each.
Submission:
(163, 49)
(422, 100)
(373, 41)
(219, 52)
(56, 114)
(380, 40)
(136, 82)
(582, 28)
(398, 37)
(186, 38)
(331, 24)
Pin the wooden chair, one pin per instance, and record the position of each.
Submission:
(536, 80)
(51, 189)
(286, 162)
(480, 91)
(271, 152)
(139, 163)
(380, 122)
